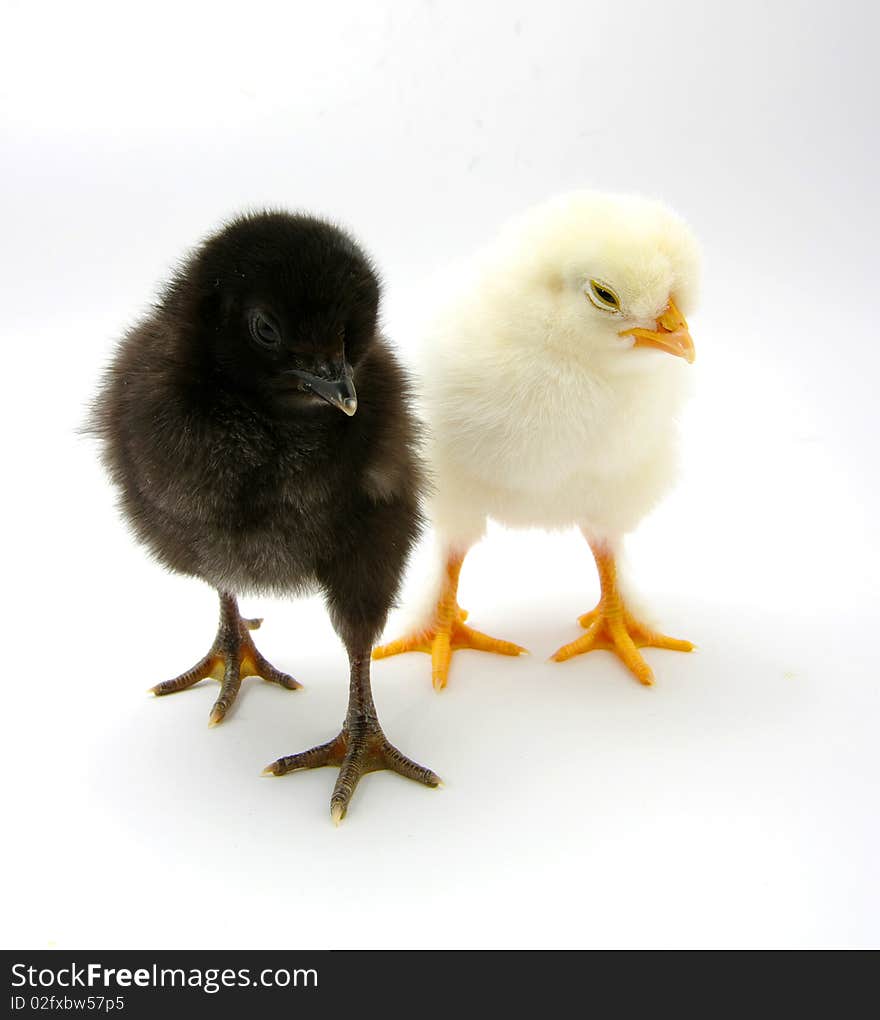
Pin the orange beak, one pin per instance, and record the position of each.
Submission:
(671, 334)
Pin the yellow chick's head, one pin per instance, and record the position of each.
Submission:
(610, 278)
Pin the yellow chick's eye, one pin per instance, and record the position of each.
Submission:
(603, 296)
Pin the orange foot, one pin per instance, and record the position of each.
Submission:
(447, 633)
(611, 626)
(624, 635)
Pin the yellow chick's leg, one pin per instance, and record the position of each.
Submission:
(447, 631)
(611, 626)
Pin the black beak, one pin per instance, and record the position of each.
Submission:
(339, 392)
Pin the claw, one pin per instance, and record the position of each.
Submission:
(217, 716)
(232, 657)
(612, 627)
(448, 633)
(444, 638)
(367, 750)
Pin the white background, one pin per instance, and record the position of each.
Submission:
(734, 804)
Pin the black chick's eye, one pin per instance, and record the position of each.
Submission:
(263, 331)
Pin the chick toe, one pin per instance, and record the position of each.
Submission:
(360, 748)
(232, 657)
(447, 633)
(617, 630)
(443, 638)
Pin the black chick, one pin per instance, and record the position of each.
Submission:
(258, 428)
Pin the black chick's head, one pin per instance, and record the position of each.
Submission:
(287, 308)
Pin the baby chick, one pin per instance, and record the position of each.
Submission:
(258, 429)
(552, 387)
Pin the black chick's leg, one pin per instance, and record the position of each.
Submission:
(360, 748)
(232, 657)
(360, 582)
